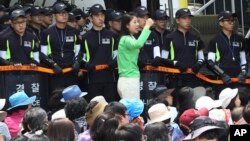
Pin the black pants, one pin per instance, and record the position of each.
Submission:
(107, 90)
(62, 81)
(183, 80)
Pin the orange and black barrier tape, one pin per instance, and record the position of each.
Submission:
(199, 75)
(105, 66)
(43, 69)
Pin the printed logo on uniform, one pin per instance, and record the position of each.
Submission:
(105, 41)
(149, 42)
(191, 43)
(69, 39)
(27, 44)
(236, 44)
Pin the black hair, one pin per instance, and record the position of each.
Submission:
(129, 132)
(231, 105)
(156, 132)
(19, 138)
(211, 134)
(223, 134)
(41, 137)
(244, 95)
(126, 19)
(246, 113)
(24, 107)
(104, 126)
(116, 108)
(75, 108)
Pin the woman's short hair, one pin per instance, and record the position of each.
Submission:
(35, 119)
(61, 130)
(104, 126)
(156, 131)
(129, 132)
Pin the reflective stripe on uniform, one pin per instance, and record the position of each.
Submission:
(217, 53)
(49, 46)
(87, 51)
(8, 55)
(172, 51)
(32, 53)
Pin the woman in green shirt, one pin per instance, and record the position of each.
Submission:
(128, 51)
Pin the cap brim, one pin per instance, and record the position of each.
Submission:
(95, 12)
(26, 102)
(3, 114)
(81, 95)
(186, 15)
(13, 18)
(199, 131)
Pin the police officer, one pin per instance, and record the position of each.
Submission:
(59, 47)
(160, 28)
(185, 49)
(72, 20)
(99, 50)
(18, 46)
(81, 20)
(227, 49)
(36, 21)
(114, 21)
(47, 17)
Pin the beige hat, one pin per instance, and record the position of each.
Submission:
(227, 95)
(91, 115)
(58, 114)
(99, 99)
(158, 112)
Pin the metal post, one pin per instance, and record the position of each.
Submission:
(214, 9)
(233, 6)
(242, 17)
(204, 7)
(205, 11)
(171, 13)
(224, 5)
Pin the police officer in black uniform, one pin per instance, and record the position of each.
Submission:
(160, 28)
(47, 17)
(18, 46)
(81, 20)
(35, 24)
(59, 49)
(185, 49)
(227, 49)
(99, 50)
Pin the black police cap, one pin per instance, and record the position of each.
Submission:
(17, 13)
(60, 7)
(183, 12)
(114, 16)
(35, 10)
(226, 15)
(96, 8)
(159, 14)
(141, 11)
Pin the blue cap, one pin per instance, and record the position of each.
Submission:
(134, 107)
